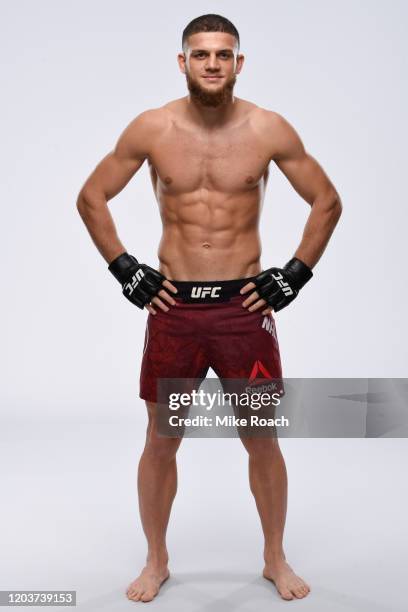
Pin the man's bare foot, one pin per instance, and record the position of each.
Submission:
(288, 585)
(147, 585)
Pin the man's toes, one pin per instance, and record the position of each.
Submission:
(134, 594)
(148, 595)
(139, 595)
(300, 591)
(286, 594)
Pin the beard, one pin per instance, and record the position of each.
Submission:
(211, 98)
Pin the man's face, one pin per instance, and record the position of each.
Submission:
(211, 62)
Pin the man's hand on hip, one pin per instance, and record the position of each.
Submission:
(277, 287)
(141, 284)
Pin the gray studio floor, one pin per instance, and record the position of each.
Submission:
(70, 520)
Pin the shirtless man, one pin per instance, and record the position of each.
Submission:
(208, 155)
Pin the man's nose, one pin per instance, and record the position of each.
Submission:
(212, 62)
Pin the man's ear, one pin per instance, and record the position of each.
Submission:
(181, 58)
(240, 63)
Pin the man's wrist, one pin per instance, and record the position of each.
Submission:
(121, 266)
(298, 271)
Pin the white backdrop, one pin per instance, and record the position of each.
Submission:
(77, 73)
(74, 75)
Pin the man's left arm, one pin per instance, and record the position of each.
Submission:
(311, 182)
(278, 287)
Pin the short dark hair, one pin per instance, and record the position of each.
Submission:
(210, 23)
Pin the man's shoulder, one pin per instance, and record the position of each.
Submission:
(274, 128)
(150, 120)
(142, 131)
(155, 120)
(267, 119)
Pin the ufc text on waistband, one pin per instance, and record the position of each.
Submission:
(208, 292)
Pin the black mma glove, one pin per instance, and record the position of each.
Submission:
(140, 283)
(279, 286)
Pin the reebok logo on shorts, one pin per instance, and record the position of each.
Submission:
(258, 373)
(258, 379)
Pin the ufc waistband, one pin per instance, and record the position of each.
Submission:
(209, 292)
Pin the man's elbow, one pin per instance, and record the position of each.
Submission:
(336, 206)
(86, 203)
(81, 204)
(332, 204)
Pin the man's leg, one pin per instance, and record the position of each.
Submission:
(268, 482)
(157, 485)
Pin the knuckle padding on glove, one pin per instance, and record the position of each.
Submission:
(147, 286)
(139, 302)
(140, 294)
(260, 279)
(151, 282)
(266, 289)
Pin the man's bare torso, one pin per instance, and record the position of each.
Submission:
(209, 173)
(210, 184)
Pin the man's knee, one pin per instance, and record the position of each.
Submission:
(262, 448)
(158, 446)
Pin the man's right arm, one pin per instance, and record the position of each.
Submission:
(141, 285)
(110, 176)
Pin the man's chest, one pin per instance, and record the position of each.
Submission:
(227, 160)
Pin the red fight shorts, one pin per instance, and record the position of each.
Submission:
(209, 328)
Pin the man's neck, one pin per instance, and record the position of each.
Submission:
(208, 116)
